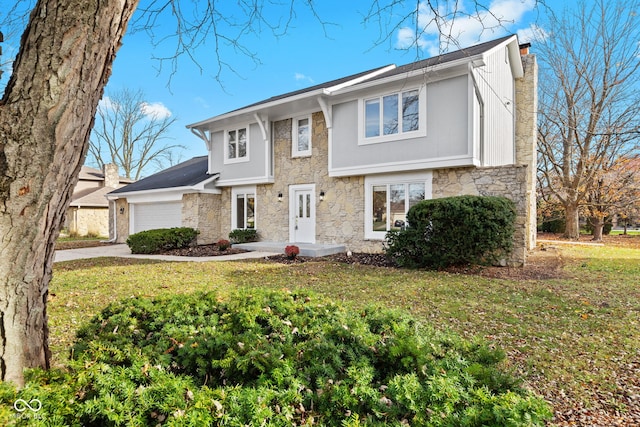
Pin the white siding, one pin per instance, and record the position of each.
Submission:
(446, 143)
(255, 170)
(497, 86)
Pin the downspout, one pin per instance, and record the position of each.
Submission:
(265, 138)
(481, 102)
(328, 119)
(115, 224)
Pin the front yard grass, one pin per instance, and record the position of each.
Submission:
(574, 340)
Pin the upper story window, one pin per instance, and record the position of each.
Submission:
(237, 145)
(390, 116)
(301, 136)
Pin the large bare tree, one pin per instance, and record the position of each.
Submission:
(129, 132)
(46, 115)
(589, 99)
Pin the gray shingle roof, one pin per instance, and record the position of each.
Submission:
(185, 174)
(429, 62)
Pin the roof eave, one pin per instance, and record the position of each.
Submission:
(281, 101)
(197, 187)
(254, 109)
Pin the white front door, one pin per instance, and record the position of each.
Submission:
(302, 210)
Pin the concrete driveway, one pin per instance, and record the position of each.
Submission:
(123, 251)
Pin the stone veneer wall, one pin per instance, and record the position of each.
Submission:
(85, 221)
(506, 181)
(122, 221)
(202, 212)
(339, 218)
(526, 136)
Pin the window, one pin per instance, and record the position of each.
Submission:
(243, 208)
(392, 114)
(389, 199)
(301, 136)
(237, 145)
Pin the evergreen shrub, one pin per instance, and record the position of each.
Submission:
(243, 235)
(454, 231)
(273, 358)
(161, 239)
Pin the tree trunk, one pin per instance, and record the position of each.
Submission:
(46, 115)
(597, 223)
(572, 223)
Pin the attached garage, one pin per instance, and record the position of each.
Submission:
(157, 200)
(149, 216)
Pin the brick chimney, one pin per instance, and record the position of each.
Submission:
(524, 48)
(111, 176)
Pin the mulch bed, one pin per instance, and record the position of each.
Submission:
(542, 264)
(203, 250)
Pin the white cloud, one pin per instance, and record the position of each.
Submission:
(303, 78)
(202, 102)
(466, 25)
(155, 110)
(533, 33)
(106, 104)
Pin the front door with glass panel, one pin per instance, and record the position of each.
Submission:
(302, 210)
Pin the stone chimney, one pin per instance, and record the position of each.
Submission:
(111, 176)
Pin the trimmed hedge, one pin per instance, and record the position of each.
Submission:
(161, 239)
(274, 358)
(454, 231)
(243, 235)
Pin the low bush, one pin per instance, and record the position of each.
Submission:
(292, 251)
(555, 225)
(243, 235)
(454, 231)
(223, 244)
(161, 239)
(273, 358)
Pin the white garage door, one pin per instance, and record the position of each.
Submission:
(149, 216)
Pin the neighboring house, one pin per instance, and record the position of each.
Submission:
(88, 213)
(342, 162)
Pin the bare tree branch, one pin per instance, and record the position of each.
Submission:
(128, 134)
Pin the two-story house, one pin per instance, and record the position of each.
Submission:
(342, 162)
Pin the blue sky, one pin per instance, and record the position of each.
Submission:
(307, 54)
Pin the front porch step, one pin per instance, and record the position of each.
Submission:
(306, 249)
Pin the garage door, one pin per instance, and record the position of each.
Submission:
(149, 216)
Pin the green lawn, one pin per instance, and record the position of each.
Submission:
(575, 340)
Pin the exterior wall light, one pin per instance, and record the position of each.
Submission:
(280, 196)
(122, 211)
(321, 195)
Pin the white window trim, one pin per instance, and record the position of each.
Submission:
(422, 120)
(244, 190)
(390, 179)
(294, 137)
(227, 160)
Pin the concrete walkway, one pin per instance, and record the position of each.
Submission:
(123, 251)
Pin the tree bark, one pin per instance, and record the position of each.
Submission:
(598, 225)
(572, 222)
(46, 115)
